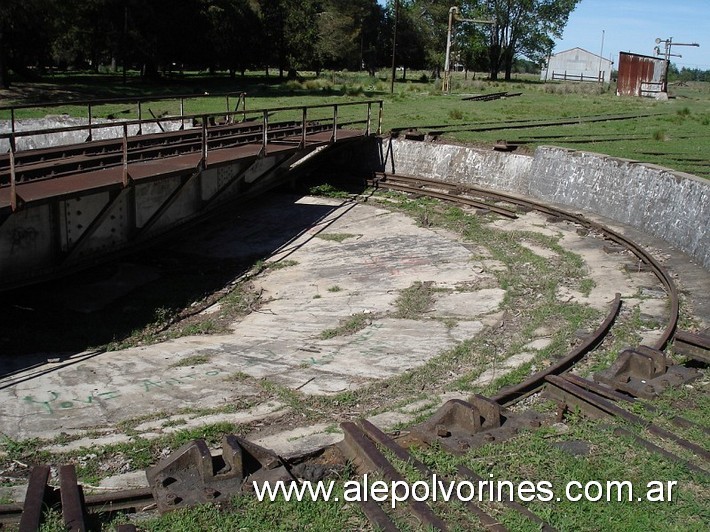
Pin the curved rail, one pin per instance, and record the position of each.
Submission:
(362, 438)
(521, 390)
(641, 254)
(392, 184)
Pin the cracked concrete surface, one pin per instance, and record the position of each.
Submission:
(372, 254)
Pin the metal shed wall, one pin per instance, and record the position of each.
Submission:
(577, 64)
(641, 75)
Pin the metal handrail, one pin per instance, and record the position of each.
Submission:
(104, 125)
(205, 119)
(138, 99)
(104, 101)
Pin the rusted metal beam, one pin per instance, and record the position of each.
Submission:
(489, 522)
(360, 448)
(611, 409)
(693, 345)
(34, 499)
(72, 499)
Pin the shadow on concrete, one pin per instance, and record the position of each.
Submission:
(56, 320)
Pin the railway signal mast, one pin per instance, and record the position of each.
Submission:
(668, 43)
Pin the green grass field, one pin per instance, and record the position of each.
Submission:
(673, 133)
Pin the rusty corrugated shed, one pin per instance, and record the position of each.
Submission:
(641, 75)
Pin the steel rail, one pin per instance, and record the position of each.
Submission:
(641, 254)
(393, 183)
(402, 454)
(40, 495)
(618, 397)
(693, 345)
(362, 447)
(521, 390)
(606, 406)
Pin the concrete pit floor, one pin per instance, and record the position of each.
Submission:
(332, 261)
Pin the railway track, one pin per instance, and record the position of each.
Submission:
(422, 186)
(461, 425)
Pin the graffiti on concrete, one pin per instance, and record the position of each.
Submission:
(53, 401)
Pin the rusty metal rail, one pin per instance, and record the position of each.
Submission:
(641, 254)
(366, 445)
(453, 193)
(534, 382)
(568, 392)
(693, 345)
(69, 499)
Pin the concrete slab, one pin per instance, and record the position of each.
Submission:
(469, 304)
(299, 441)
(328, 281)
(492, 373)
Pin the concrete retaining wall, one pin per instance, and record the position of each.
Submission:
(671, 205)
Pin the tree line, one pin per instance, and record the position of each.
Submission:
(687, 74)
(163, 36)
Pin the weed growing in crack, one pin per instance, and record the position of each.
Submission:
(350, 325)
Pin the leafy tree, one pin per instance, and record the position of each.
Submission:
(524, 27)
(411, 40)
(349, 33)
(26, 33)
(235, 34)
(432, 18)
(163, 33)
(290, 31)
(91, 34)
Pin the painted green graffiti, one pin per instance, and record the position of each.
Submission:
(52, 402)
(51, 405)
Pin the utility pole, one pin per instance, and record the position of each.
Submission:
(601, 57)
(394, 45)
(453, 15)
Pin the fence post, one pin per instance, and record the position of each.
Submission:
(140, 118)
(379, 120)
(90, 116)
(125, 155)
(369, 118)
(13, 190)
(303, 127)
(264, 127)
(334, 138)
(182, 113)
(204, 141)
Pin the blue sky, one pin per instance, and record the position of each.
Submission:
(634, 25)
